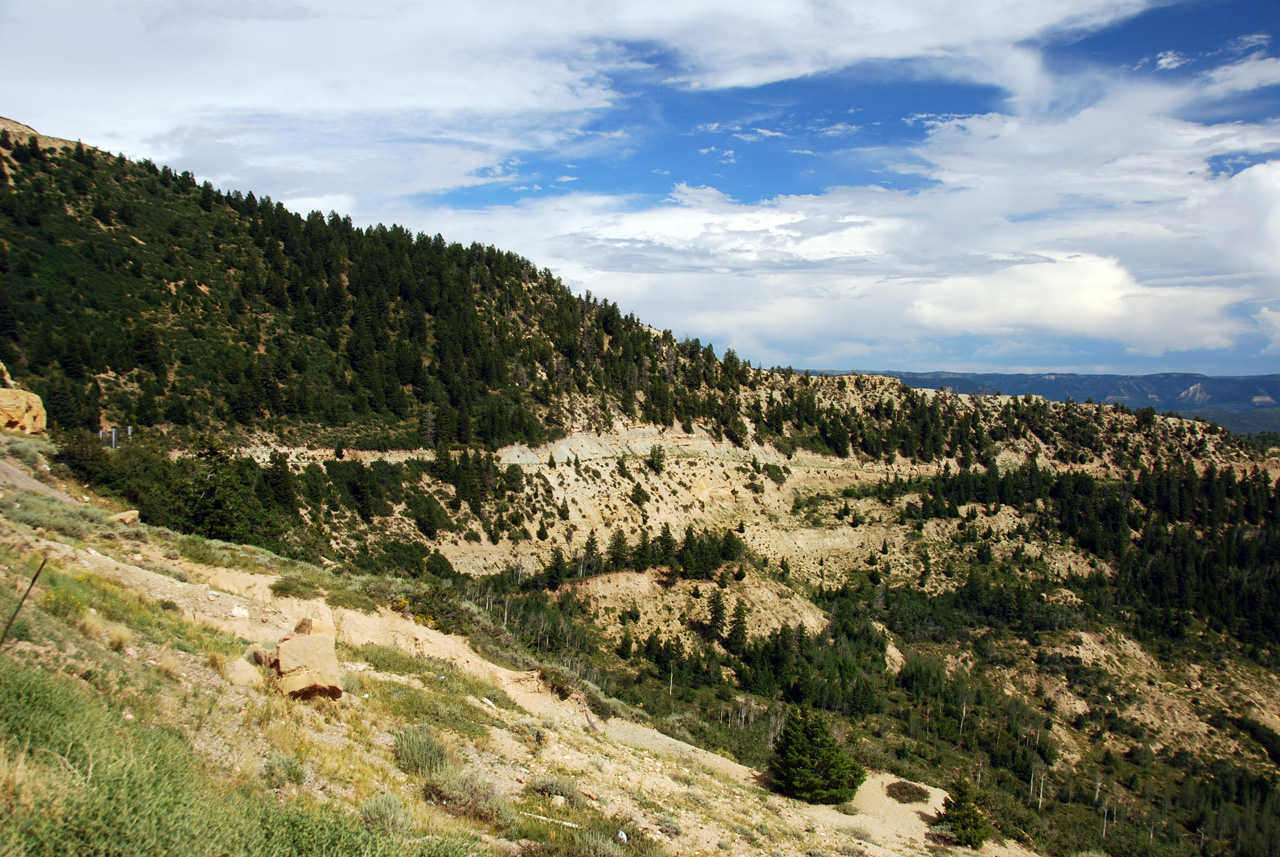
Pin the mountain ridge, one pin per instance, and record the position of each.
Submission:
(1231, 400)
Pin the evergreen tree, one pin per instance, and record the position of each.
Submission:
(619, 550)
(590, 555)
(961, 814)
(716, 615)
(556, 569)
(736, 642)
(809, 764)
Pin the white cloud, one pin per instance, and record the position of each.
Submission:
(1105, 224)
(1080, 295)
(1170, 60)
(1252, 73)
(1269, 320)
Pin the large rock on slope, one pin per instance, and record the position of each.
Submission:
(308, 667)
(21, 411)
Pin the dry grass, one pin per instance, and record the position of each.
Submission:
(17, 780)
(118, 637)
(218, 663)
(170, 666)
(92, 625)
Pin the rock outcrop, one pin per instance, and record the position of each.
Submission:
(21, 411)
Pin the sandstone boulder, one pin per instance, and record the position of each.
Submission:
(308, 667)
(307, 683)
(22, 411)
(128, 518)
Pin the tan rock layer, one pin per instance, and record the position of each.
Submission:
(22, 411)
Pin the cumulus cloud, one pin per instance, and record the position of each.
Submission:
(1269, 320)
(1080, 295)
(1107, 224)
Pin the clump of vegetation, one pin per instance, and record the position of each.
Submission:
(280, 770)
(905, 792)
(461, 792)
(419, 752)
(385, 813)
(555, 784)
(295, 587)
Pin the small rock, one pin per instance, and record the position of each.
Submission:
(128, 518)
(239, 672)
(557, 801)
(239, 612)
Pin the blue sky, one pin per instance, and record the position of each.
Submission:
(1067, 185)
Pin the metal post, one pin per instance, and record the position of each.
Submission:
(22, 601)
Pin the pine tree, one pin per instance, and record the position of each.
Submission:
(962, 815)
(619, 550)
(556, 569)
(716, 615)
(809, 764)
(590, 555)
(736, 642)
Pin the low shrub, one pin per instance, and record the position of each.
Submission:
(461, 792)
(385, 813)
(419, 752)
(905, 792)
(295, 587)
(554, 784)
(280, 770)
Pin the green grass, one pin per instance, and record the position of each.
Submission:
(36, 510)
(68, 596)
(95, 784)
(438, 674)
(417, 751)
(435, 707)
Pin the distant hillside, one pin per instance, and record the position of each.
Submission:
(1240, 404)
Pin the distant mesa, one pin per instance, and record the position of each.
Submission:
(1240, 403)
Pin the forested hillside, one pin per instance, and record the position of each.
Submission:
(1072, 606)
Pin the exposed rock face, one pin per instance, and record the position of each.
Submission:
(128, 518)
(308, 667)
(21, 411)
